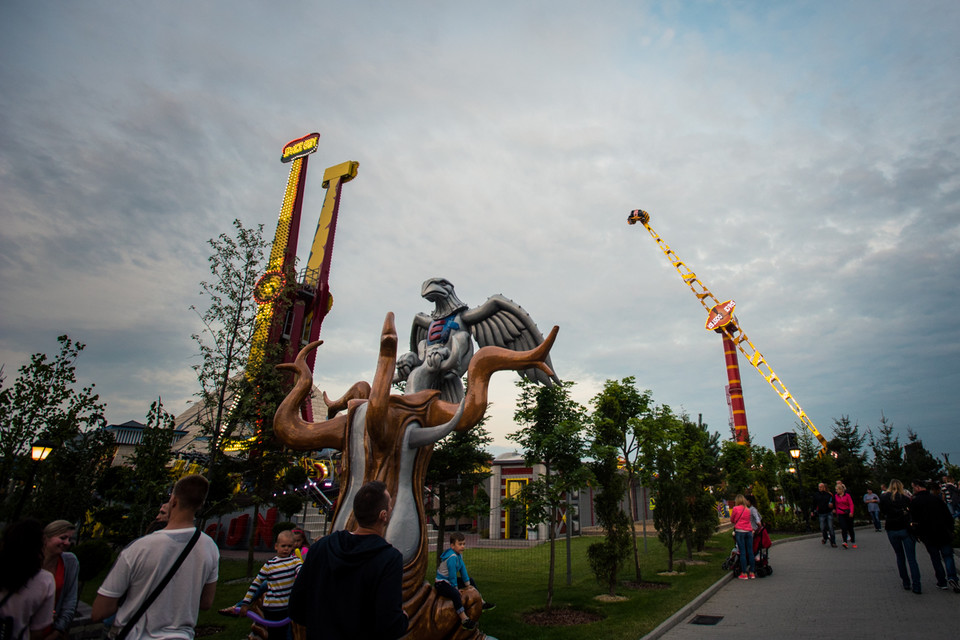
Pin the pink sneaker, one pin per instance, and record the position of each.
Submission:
(743, 576)
(753, 576)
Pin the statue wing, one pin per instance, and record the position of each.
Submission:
(501, 322)
(418, 332)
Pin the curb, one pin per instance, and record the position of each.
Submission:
(694, 604)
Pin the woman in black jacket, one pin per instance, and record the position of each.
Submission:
(894, 506)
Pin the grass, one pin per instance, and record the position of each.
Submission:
(516, 580)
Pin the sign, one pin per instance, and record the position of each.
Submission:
(300, 147)
(720, 315)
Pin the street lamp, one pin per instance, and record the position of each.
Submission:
(39, 451)
(795, 454)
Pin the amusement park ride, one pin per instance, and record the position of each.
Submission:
(722, 320)
(301, 318)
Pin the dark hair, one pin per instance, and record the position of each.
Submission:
(456, 536)
(191, 491)
(21, 554)
(370, 500)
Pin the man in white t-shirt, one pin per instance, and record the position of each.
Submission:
(143, 564)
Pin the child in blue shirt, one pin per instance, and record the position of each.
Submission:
(452, 576)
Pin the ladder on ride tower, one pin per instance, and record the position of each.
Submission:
(722, 320)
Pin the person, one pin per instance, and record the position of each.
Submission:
(934, 526)
(872, 501)
(895, 508)
(65, 569)
(743, 534)
(843, 503)
(351, 583)
(160, 521)
(823, 506)
(301, 542)
(452, 576)
(951, 496)
(278, 575)
(755, 519)
(146, 561)
(26, 591)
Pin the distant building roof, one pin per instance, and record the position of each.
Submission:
(131, 432)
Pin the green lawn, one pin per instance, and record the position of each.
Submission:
(516, 580)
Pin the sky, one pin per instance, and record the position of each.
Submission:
(802, 158)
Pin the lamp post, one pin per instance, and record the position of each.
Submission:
(795, 454)
(39, 451)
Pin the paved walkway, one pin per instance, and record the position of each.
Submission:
(816, 592)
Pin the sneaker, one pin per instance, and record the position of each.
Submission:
(753, 576)
(743, 576)
(844, 545)
(824, 541)
(954, 584)
(917, 591)
(834, 545)
(942, 587)
(488, 605)
(469, 624)
(854, 546)
(906, 587)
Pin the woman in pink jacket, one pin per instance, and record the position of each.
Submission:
(743, 533)
(844, 507)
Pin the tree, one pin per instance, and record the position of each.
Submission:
(457, 472)
(851, 460)
(553, 436)
(618, 409)
(44, 403)
(738, 473)
(150, 478)
(674, 450)
(229, 321)
(919, 464)
(887, 453)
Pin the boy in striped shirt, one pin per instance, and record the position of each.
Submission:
(278, 575)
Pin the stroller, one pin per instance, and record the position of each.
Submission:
(761, 552)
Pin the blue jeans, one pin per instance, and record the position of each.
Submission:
(745, 547)
(905, 546)
(944, 553)
(875, 515)
(826, 525)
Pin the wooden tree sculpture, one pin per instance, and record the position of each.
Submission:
(390, 438)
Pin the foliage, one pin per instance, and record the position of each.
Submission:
(553, 436)
(674, 449)
(851, 459)
(151, 481)
(44, 403)
(236, 263)
(919, 464)
(737, 468)
(618, 409)
(94, 556)
(457, 473)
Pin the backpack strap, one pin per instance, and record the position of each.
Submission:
(163, 583)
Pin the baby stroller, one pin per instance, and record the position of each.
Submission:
(761, 552)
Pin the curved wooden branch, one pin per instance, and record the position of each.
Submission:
(293, 430)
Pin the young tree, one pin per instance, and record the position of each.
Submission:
(44, 403)
(918, 462)
(457, 472)
(618, 409)
(236, 264)
(553, 436)
(735, 460)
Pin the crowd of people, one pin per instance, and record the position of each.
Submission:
(925, 513)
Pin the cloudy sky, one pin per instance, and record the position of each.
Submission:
(801, 158)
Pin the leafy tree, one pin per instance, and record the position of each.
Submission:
(553, 436)
(702, 472)
(150, 478)
(457, 471)
(618, 409)
(737, 467)
(44, 403)
(236, 264)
